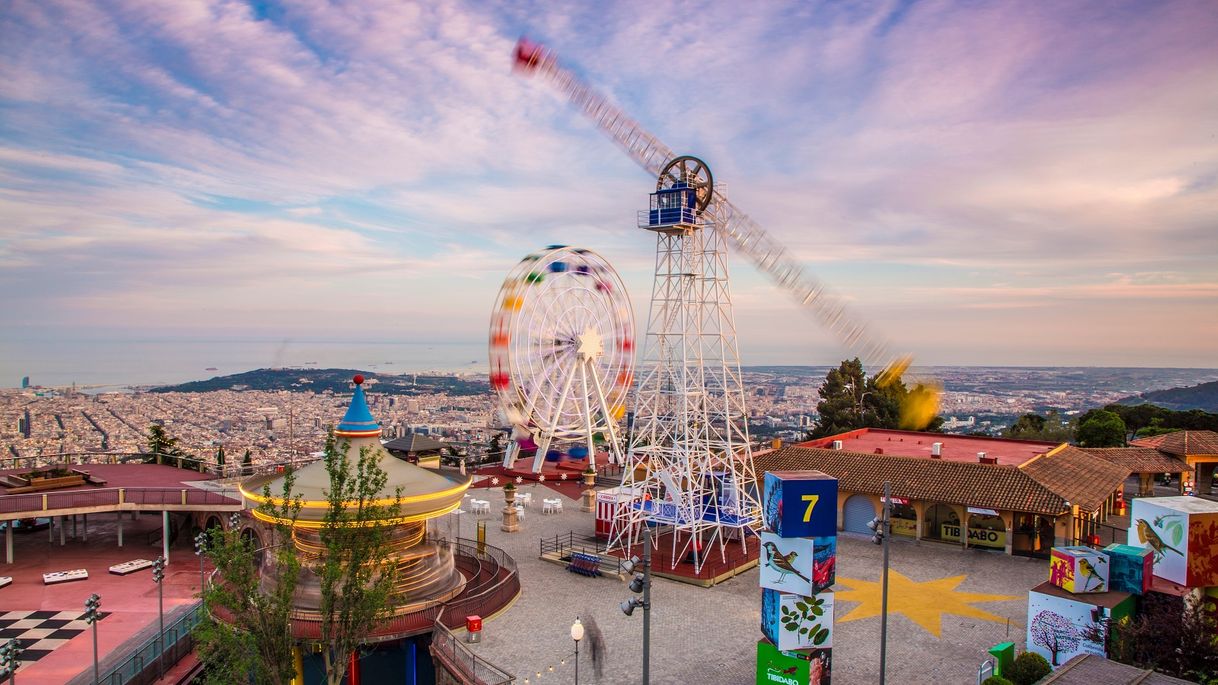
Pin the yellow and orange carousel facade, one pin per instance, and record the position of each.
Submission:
(440, 581)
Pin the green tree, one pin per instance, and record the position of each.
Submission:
(1101, 429)
(247, 635)
(160, 442)
(357, 582)
(1048, 428)
(495, 448)
(1169, 635)
(247, 464)
(850, 400)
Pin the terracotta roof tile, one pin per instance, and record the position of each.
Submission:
(1079, 477)
(1140, 459)
(1182, 443)
(971, 484)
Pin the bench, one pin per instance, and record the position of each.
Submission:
(585, 564)
(64, 576)
(130, 567)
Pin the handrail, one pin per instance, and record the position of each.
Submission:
(140, 664)
(37, 502)
(202, 465)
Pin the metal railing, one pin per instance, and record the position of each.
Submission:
(231, 469)
(139, 665)
(461, 660)
(565, 545)
(34, 503)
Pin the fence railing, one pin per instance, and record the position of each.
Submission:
(139, 666)
(228, 469)
(35, 503)
(448, 648)
(565, 545)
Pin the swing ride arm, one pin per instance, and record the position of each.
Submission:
(764, 251)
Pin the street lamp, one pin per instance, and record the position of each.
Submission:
(158, 575)
(92, 616)
(882, 527)
(577, 634)
(641, 583)
(200, 548)
(10, 659)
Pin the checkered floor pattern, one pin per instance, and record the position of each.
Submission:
(41, 632)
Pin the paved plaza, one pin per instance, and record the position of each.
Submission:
(951, 609)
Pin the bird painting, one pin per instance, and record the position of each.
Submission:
(1086, 567)
(1148, 536)
(784, 564)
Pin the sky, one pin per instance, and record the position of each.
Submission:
(998, 183)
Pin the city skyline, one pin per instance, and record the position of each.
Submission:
(997, 184)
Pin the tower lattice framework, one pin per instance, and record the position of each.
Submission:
(689, 463)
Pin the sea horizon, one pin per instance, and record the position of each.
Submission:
(117, 364)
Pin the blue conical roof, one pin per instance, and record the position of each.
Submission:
(358, 421)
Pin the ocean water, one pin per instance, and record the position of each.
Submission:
(117, 363)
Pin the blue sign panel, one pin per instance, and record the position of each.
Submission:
(801, 504)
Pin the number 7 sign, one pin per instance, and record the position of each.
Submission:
(800, 504)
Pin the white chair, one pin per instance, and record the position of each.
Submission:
(480, 506)
(526, 498)
(547, 506)
(557, 505)
(519, 512)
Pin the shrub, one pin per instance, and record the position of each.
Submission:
(996, 680)
(1028, 668)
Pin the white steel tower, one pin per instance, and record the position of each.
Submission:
(689, 465)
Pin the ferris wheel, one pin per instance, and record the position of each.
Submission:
(562, 355)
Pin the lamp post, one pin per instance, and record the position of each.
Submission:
(641, 583)
(92, 616)
(158, 576)
(577, 634)
(200, 548)
(882, 525)
(10, 659)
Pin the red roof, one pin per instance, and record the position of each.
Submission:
(962, 448)
(1182, 443)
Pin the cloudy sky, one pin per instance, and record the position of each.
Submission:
(987, 182)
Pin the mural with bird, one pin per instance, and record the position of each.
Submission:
(1148, 536)
(1090, 573)
(784, 564)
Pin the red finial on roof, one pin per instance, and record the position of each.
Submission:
(359, 379)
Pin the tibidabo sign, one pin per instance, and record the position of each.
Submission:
(980, 537)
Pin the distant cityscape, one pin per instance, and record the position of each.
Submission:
(280, 413)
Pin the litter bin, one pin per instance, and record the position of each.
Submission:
(473, 629)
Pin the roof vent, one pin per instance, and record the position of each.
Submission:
(879, 450)
(837, 444)
(981, 457)
(936, 449)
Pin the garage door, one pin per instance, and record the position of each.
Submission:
(856, 513)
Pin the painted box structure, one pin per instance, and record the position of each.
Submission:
(797, 622)
(1058, 621)
(1078, 569)
(800, 504)
(1182, 533)
(806, 667)
(1129, 568)
(802, 566)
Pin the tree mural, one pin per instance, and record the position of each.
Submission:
(1055, 633)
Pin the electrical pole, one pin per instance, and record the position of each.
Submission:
(884, 589)
(158, 576)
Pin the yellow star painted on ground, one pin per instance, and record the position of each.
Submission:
(923, 603)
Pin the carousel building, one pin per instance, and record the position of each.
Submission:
(436, 576)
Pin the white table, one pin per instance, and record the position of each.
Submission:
(64, 576)
(525, 498)
(130, 567)
(480, 506)
(551, 506)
